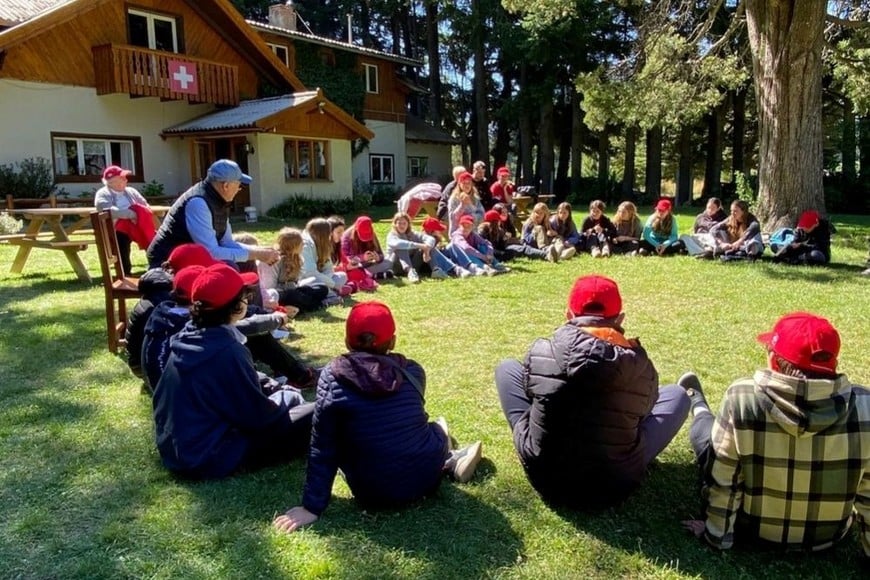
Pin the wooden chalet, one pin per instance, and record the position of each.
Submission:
(88, 83)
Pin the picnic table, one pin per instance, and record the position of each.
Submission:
(46, 230)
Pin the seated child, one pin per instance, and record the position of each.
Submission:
(493, 229)
(597, 231)
(810, 243)
(738, 237)
(370, 422)
(537, 232)
(360, 248)
(787, 458)
(628, 230)
(280, 283)
(660, 232)
(472, 252)
(567, 238)
(410, 252)
(585, 407)
(317, 260)
(211, 417)
(700, 242)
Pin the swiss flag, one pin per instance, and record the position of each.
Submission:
(182, 77)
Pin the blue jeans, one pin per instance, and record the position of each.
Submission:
(406, 259)
(655, 430)
(464, 259)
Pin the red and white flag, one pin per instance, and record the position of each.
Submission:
(182, 77)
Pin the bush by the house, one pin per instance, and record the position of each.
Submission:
(375, 194)
(153, 189)
(32, 177)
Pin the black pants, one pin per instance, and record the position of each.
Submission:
(266, 349)
(305, 298)
(280, 445)
(124, 251)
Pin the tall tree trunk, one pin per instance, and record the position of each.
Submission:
(653, 185)
(502, 128)
(713, 166)
(526, 126)
(432, 48)
(481, 149)
(738, 130)
(850, 174)
(576, 141)
(684, 172)
(629, 171)
(563, 125)
(786, 41)
(603, 158)
(545, 145)
(864, 154)
(365, 22)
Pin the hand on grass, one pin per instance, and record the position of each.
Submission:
(290, 312)
(697, 527)
(294, 519)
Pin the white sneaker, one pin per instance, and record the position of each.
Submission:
(462, 272)
(568, 253)
(413, 276)
(489, 270)
(605, 251)
(439, 274)
(553, 253)
(462, 462)
(596, 252)
(476, 270)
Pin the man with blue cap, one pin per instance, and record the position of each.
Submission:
(201, 216)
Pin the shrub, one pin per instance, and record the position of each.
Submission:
(305, 207)
(745, 190)
(376, 194)
(9, 225)
(153, 189)
(32, 177)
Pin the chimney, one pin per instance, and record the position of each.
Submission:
(283, 15)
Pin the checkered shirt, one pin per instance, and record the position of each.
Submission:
(790, 462)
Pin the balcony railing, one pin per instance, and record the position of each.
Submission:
(146, 73)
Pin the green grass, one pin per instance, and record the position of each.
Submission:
(83, 493)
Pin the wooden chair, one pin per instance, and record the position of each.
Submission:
(117, 286)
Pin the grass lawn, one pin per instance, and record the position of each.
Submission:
(83, 493)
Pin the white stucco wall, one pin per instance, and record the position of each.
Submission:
(389, 140)
(267, 169)
(30, 112)
(439, 164)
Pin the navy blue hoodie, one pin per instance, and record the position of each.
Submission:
(208, 404)
(165, 321)
(369, 420)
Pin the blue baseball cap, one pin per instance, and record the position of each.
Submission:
(227, 170)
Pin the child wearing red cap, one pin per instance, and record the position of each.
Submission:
(472, 252)
(211, 416)
(787, 459)
(463, 201)
(503, 189)
(810, 243)
(660, 234)
(370, 422)
(493, 229)
(360, 248)
(585, 406)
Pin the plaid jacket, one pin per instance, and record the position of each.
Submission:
(790, 462)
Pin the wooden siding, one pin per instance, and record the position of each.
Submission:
(142, 72)
(63, 53)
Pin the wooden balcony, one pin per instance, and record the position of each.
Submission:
(145, 73)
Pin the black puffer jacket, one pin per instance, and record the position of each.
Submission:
(156, 287)
(579, 442)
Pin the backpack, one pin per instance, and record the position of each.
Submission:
(780, 238)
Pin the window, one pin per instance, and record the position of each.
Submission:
(305, 160)
(382, 169)
(281, 52)
(418, 166)
(371, 78)
(82, 158)
(154, 31)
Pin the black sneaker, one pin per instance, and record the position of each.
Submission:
(690, 382)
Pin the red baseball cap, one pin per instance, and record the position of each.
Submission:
(190, 255)
(464, 176)
(664, 205)
(807, 341)
(113, 171)
(595, 295)
(218, 284)
(364, 229)
(466, 219)
(503, 171)
(431, 225)
(183, 280)
(808, 219)
(369, 317)
(494, 216)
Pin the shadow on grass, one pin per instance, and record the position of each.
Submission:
(670, 495)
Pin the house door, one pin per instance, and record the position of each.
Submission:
(207, 151)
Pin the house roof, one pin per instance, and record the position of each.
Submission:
(35, 17)
(264, 115)
(335, 44)
(416, 129)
